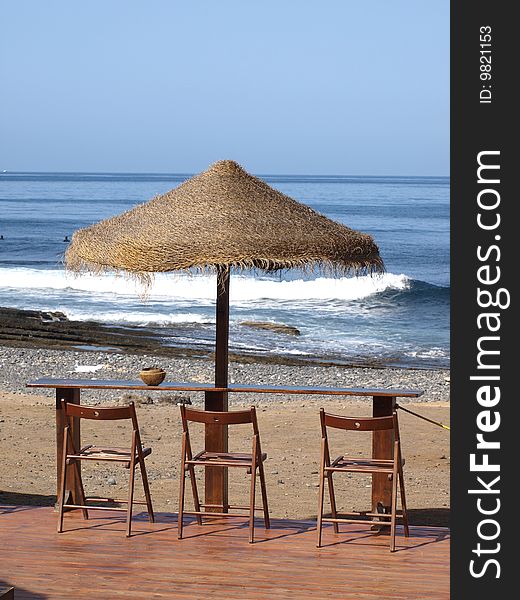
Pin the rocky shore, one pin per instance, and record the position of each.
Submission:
(20, 365)
(53, 330)
(36, 344)
(40, 329)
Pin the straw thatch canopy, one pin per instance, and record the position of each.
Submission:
(223, 218)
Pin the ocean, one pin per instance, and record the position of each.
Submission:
(399, 319)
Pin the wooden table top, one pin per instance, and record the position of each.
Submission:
(191, 386)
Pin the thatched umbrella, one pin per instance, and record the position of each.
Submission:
(222, 219)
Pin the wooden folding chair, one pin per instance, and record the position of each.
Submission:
(130, 457)
(251, 462)
(392, 468)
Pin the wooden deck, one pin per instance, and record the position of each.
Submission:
(93, 559)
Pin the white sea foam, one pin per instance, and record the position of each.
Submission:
(431, 353)
(202, 287)
(142, 319)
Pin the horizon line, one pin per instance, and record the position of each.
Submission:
(190, 174)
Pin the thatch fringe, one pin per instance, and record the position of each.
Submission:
(144, 279)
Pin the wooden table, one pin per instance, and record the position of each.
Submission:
(383, 402)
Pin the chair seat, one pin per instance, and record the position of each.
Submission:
(368, 465)
(225, 459)
(107, 453)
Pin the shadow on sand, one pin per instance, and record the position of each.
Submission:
(16, 498)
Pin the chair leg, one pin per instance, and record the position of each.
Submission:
(393, 511)
(81, 489)
(403, 504)
(321, 493)
(182, 487)
(267, 521)
(63, 481)
(332, 496)
(146, 487)
(252, 505)
(195, 492)
(130, 498)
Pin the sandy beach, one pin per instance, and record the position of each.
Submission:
(289, 427)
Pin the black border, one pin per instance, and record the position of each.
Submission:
(477, 127)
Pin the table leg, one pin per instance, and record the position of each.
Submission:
(382, 447)
(69, 395)
(216, 440)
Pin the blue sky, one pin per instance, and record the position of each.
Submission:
(287, 86)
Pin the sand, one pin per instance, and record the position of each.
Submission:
(289, 429)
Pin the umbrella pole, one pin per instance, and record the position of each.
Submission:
(216, 436)
(222, 334)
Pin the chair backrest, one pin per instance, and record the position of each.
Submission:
(367, 424)
(359, 423)
(232, 417)
(98, 413)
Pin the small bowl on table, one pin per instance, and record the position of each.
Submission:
(152, 375)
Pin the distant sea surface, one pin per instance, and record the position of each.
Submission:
(398, 319)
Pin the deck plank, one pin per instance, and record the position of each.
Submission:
(93, 559)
